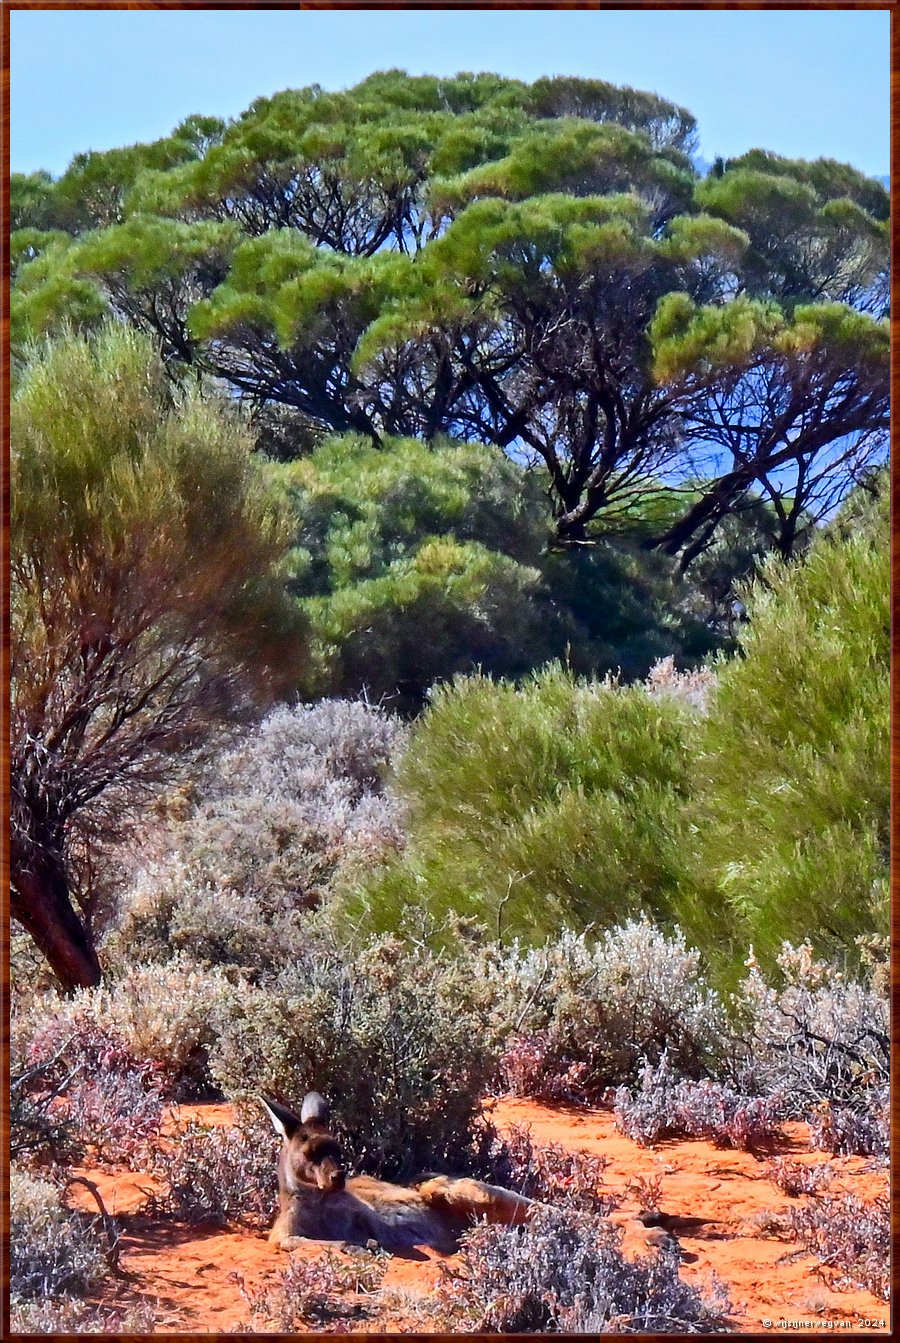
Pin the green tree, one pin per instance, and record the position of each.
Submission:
(147, 602)
(496, 261)
(793, 408)
(412, 564)
(415, 563)
(792, 777)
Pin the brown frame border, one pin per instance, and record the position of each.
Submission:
(6, 6)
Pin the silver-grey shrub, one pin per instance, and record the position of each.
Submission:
(596, 1009)
(398, 1038)
(74, 1315)
(161, 1013)
(52, 1252)
(564, 1272)
(245, 854)
(666, 1106)
(820, 1035)
(219, 1174)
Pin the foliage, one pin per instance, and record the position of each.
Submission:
(848, 1131)
(146, 602)
(798, 1177)
(819, 1036)
(238, 859)
(212, 1174)
(72, 1315)
(413, 563)
(108, 1100)
(487, 259)
(399, 1040)
(588, 1013)
(819, 206)
(38, 1133)
(790, 831)
(161, 1013)
(550, 1173)
(851, 1236)
(53, 1252)
(565, 813)
(664, 1107)
(631, 606)
(563, 1272)
(317, 1291)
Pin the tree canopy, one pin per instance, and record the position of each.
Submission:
(538, 267)
(147, 602)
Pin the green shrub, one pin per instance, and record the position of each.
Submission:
(395, 1038)
(790, 835)
(416, 562)
(556, 803)
(53, 1252)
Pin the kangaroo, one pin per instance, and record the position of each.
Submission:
(317, 1200)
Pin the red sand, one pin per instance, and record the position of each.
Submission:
(191, 1276)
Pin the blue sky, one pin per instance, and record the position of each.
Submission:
(802, 83)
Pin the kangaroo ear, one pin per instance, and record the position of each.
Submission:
(315, 1109)
(283, 1120)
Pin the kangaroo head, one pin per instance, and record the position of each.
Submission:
(310, 1155)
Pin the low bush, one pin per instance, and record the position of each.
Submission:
(399, 1039)
(52, 1252)
(236, 864)
(853, 1132)
(796, 1178)
(317, 1292)
(109, 1100)
(160, 1014)
(646, 1190)
(532, 1065)
(214, 1174)
(818, 1036)
(563, 1272)
(72, 1315)
(852, 1237)
(588, 1012)
(664, 1107)
(38, 1133)
(550, 1173)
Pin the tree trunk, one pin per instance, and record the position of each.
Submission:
(40, 902)
(570, 531)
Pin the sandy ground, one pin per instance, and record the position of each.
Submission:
(714, 1201)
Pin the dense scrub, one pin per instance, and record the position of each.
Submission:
(238, 860)
(748, 806)
(791, 770)
(563, 813)
(394, 381)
